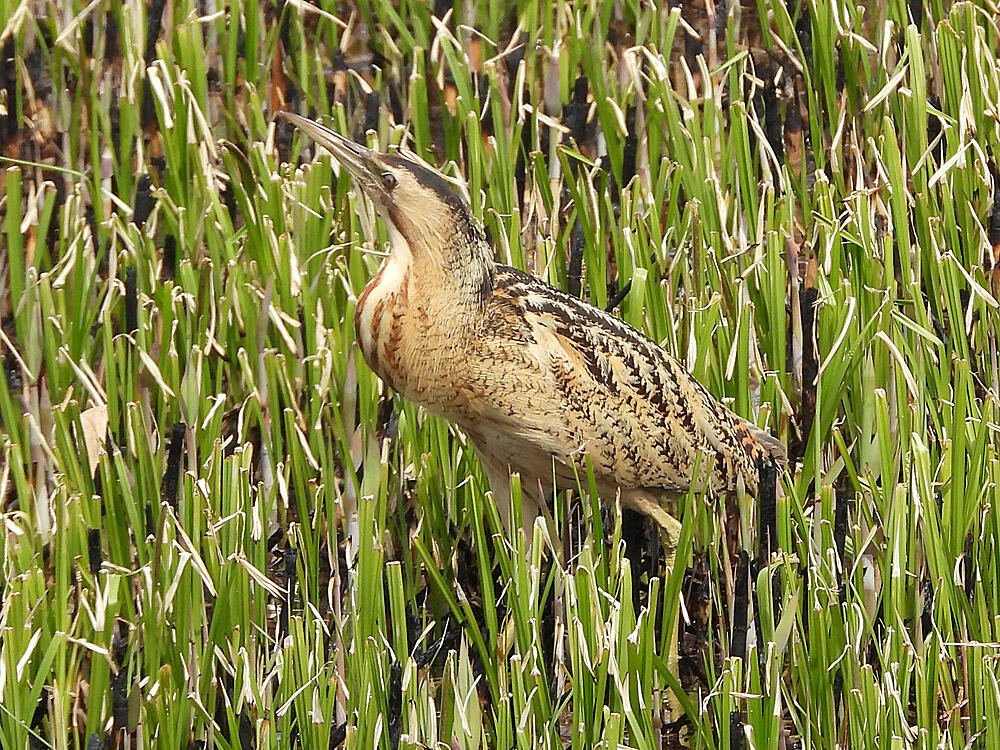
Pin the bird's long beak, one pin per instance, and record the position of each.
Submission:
(356, 159)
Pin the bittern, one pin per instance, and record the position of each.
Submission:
(538, 380)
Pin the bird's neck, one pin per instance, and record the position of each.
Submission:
(454, 272)
(432, 293)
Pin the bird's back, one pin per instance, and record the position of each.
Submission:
(556, 378)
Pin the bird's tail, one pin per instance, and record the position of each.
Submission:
(769, 444)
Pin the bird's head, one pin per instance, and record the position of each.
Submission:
(417, 203)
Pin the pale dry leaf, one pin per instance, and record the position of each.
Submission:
(94, 422)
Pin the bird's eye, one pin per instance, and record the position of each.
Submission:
(388, 180)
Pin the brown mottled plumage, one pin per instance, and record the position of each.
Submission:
(537, 379)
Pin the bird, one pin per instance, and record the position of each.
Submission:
(540, 382)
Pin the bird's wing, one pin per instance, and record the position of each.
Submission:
(591, 384)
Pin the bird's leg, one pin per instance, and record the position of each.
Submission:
(532, 505)
(670, 534)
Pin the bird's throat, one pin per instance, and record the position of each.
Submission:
(384, 298)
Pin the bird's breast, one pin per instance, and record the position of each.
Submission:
(378, 316)
(413, 340)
